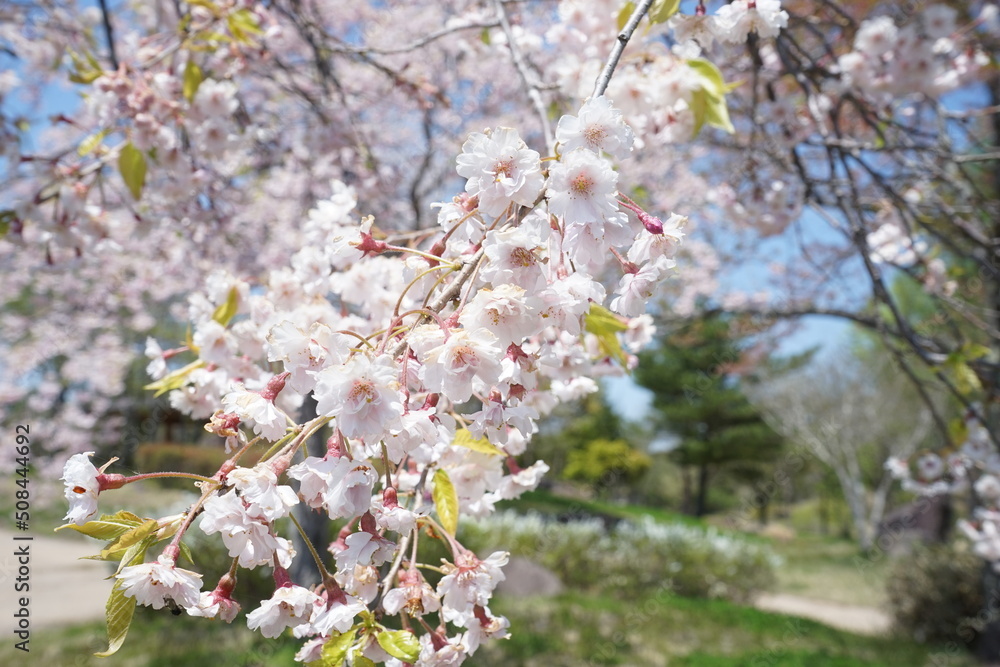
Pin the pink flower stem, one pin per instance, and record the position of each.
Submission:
(152, 475)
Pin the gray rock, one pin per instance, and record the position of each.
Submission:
(527, 578)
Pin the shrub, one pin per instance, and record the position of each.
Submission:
(607, 464)
(634, 558)
(936, 593)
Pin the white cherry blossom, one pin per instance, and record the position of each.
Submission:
(152, 584)
(508, 311)
(363, 394)
(247, 538)
(341, 485)
(259, 489)
(736, 20)
(81, 487)
(266, 420)
(582, 188)
(454, 367)
(598, 127)
(500, 169)
(289, 607)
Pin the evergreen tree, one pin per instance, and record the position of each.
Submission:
(699, 400)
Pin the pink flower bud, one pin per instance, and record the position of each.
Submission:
(467, 202)
(368, 524)
(333, 448)
(281, 576)
(652, 224)
(226, 585)
(112, 481)
(369, 246)
(274, 386)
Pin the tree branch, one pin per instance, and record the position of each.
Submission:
(616, 53)
(109, 32)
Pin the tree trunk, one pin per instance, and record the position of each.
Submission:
(824, 513)
(762, 517)
(701, 508)
(686, 505)
(314, 524)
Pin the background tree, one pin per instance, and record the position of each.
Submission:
(852, 413)
(698, 399)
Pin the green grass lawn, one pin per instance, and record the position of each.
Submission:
(571, 629)
(680, 631)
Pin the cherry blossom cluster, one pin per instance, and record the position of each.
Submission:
(928, 56)
(974, 467)
(161, 120)
(429, 362)
(732, 23)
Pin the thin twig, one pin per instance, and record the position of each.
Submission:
(616, 53)
(417, 44)
(530, 82)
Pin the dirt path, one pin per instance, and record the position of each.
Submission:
(860, 620)
(63, 590)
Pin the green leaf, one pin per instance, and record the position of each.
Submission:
(335, 650)
(226, 311)
(186, 553)
(966, 380)
(717, 115)
(661, 10)
(88, 145)
(211, 38)
(400, 644)
(711, 77)
(605, 325)
(242, 23)
(625, 14)
(132, 165)
(446, 501)
(973, 351)
(86, 69)
(137, 550)
(699, 109)
(6, 218)
(708, 103)
(119, 612)
(957, 430)
(108, 527)
(464, 439)
(599, 321)
(193, 77)
(359, 660)
(174, 380)
(129, 539)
